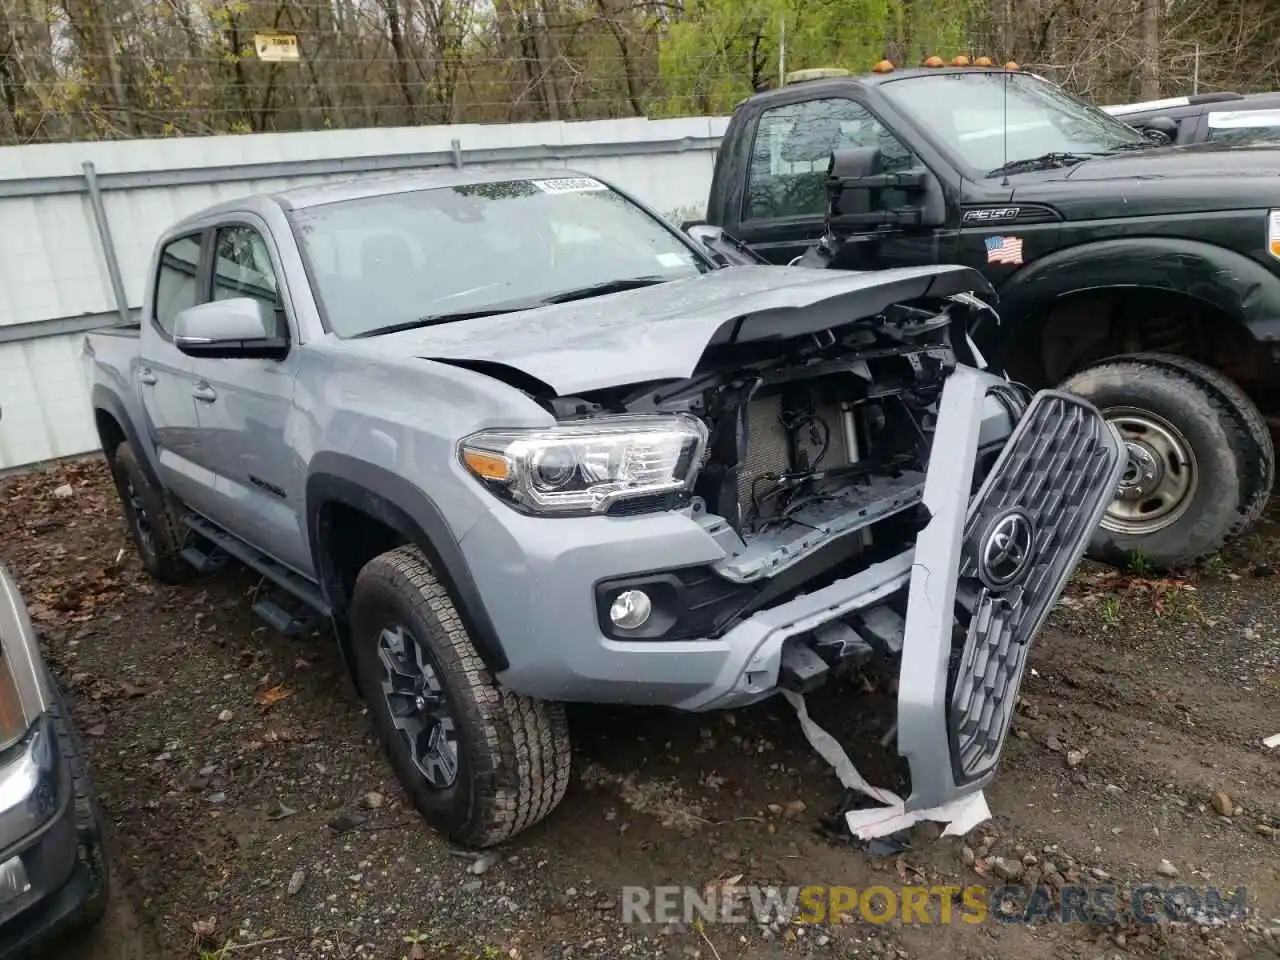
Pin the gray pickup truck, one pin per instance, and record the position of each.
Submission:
(523, 442)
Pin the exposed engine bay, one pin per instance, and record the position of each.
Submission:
(815, 441)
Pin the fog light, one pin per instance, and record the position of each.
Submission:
(13, 879)
(630, 609)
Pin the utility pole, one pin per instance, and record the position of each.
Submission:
(782, 51)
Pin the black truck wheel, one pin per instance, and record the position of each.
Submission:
(481, 763)
(150, 518)
(1197, 465)
(1252, 443)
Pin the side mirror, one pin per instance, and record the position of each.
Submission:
(1161, 130)
(862, 196)
(725, 249)
(242, 327)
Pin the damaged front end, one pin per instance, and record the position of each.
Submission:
(818, 487)
(875, 500)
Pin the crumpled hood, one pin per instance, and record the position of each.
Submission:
(661, 332)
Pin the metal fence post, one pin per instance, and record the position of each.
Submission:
(456, 147)
(104, 237)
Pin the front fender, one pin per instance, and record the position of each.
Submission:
(1226, 280)
(393, 500)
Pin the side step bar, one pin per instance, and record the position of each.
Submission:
(309, 606)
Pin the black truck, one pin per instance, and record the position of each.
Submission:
(1142, 275)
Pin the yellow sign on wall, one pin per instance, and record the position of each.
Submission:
(276, 47)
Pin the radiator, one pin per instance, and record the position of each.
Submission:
(767, 448)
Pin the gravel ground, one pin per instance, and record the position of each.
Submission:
(252, 815)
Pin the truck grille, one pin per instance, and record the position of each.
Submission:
(1025, 531)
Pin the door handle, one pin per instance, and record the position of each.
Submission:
(204, 393)
(147, 377)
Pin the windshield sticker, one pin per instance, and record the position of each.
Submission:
(1004, 250)
(672, 259)
(569, 185)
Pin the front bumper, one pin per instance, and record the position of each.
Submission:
(1057, 472)
(42, 881)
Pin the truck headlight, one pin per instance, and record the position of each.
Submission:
(1273, 233)
(23, 694)
(587, 467)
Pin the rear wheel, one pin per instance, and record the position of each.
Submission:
(480, 762)
(151, 519)
(1198, 472)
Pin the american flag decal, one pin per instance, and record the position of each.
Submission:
(1004, 250)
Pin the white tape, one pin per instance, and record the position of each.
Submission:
(960, 815)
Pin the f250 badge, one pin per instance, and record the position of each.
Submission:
(990, 214)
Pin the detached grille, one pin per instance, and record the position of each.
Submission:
(1054, 479)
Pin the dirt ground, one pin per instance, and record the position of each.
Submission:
(252, 816)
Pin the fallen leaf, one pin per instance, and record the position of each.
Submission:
(273, 695)
(204, 928)
(281, 812)
(97, 730)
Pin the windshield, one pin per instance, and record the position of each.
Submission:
(967, 111)
(392, 260)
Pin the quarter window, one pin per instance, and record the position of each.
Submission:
(793, 146)
(176, 287)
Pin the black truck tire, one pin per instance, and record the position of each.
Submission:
(431, 697)
(90, 828)
(1186, 489)
(1253, 445)
(150, 518)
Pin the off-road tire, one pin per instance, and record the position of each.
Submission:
(1252, 442)
(90, 829)
(513, 751)
(1215, 433)
(162, 557)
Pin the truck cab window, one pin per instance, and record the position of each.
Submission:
(176, 288)
(242, 267)
(793, 146)
(1242, 127)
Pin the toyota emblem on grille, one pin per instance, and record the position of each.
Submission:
(1005, 554)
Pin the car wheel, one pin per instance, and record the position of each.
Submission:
(152, 521)
(1181, 495)
(89, 820)
(480, 762)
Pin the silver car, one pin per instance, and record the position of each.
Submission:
(53, 867)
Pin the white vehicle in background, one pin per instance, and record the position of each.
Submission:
(1224, 117)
